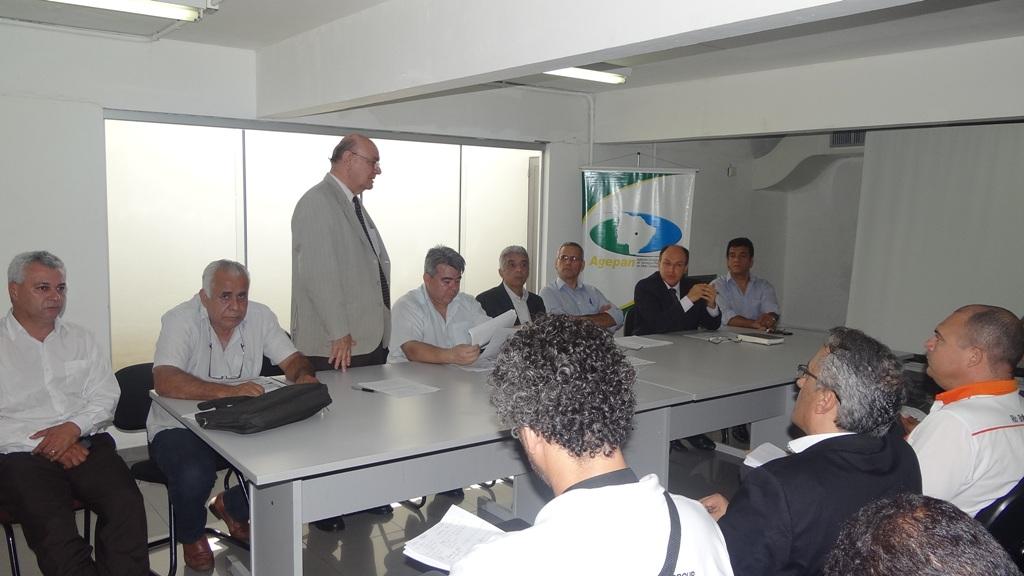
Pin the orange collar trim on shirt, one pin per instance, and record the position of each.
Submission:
(989, 388)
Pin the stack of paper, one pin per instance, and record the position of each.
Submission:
(450, 539)
(639, 342)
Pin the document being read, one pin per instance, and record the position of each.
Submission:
(450, 539)
(481, 334)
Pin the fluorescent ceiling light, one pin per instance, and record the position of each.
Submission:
(146, 7)
(592, 75)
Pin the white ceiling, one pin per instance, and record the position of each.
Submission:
(253, 24)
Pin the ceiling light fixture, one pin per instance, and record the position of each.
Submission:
(187, 10)
(591, 75)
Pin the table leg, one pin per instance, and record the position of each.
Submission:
(276, 516)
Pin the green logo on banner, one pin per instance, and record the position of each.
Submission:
(635, 234)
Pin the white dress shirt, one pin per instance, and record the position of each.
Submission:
(414, 318)
(188, 343)
(64, 378)
(519, 303)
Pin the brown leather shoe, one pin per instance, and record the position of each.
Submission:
(239, 530)
(198, 555)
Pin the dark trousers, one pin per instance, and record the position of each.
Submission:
(39, 494)
(191, 469)
(375, 358)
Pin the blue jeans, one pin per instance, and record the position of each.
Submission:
(191, 469)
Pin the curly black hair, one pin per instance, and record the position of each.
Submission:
(565, 379)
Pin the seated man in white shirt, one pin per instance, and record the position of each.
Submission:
(567, 294)
(211, 346)
(431, 323)
(747, 301)
(566, 392)
(970, 444)
(56, 393)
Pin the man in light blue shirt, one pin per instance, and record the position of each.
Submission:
(746, 300)
(567, 295)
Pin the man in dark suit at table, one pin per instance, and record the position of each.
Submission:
(511, 294)
(787, 514)
(668, 301)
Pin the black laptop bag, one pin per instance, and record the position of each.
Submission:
(248, 414)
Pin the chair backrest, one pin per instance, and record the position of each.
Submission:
(133, 407)
(1004, 519)
(629, 324)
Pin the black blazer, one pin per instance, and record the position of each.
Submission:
(496, 302)
(787, 514)
(658, 311)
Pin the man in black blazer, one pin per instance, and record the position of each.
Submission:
(667, 301)
(787, 514)
(511, 294)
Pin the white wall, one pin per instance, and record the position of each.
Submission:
(974, 81)
(54, 198)
(821, 220)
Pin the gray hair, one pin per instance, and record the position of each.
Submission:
(997, 331)
(16, 271)
(866, 377)
(230, 266)
(510, 251)
(565, 379)
(443, 255)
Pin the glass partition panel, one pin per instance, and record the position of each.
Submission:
(174, 202)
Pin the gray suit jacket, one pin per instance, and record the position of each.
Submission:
(335, 282)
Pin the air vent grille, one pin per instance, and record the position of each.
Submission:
(848, 138)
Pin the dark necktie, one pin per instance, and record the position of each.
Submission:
(385, 290)
(675, 294)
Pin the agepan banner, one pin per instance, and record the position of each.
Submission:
(628, 217)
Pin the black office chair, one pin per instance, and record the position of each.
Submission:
(130, 415)
(629, 323)
(1004, 519)
(8, 521)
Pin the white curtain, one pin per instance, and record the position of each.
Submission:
(940, 225)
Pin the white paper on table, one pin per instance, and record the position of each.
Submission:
(763, 454)
(481, 365)
(639, 342)
(637, 362)
(270, 382)
(450, 539)
(481, 334)
(398, 387)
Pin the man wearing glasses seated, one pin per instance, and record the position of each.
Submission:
(212, 346)
(787, 514)
(567, 295)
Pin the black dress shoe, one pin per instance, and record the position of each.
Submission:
(741, 433)
(335, 524)
(701, 442)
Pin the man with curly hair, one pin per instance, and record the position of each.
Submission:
(786, 515)
(566, 392)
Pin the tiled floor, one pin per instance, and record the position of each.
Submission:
(372, 544)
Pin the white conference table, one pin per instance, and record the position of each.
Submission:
(369, 449)
(732, 382)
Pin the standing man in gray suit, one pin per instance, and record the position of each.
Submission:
(341, 297)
